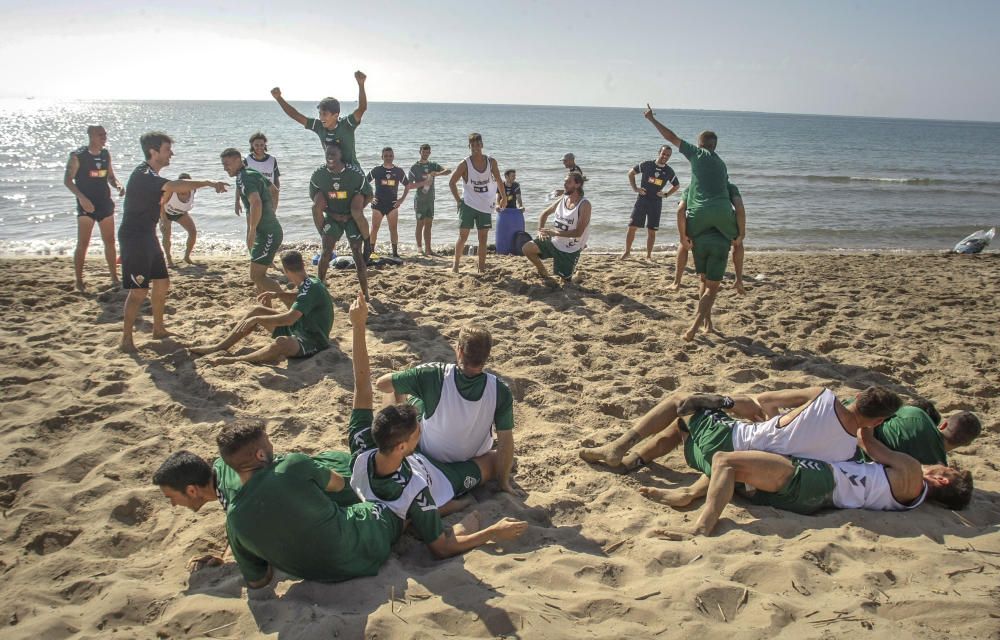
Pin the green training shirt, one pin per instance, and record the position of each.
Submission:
(283, 517)
(227, 480)
(418, 172)
(314, 303)
(254, 182)
(342, 134)
(424, 384)
(911, 431)
(338, 188)
(708, 200)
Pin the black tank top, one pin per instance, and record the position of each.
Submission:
(92, 176)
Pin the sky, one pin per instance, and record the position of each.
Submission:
(893, 58)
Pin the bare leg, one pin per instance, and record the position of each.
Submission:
(463, 235)
(705, 303)
(282, 348)
(654, 448)
(681, 497)
(258, 274)
(84, 227)
(394, 231)
(656, 419)
(766, 471)
(738, 267)
(484, 236)
(132, 305)
(159, 301)
(235, 335)
(107, 227)
(420, 236)
(359, 265)
(362, 222)
(629, 237)
(324, 256)
(682, 260)
(165, 233)
(376, 225)
(187, 222)
(650, 242)
(531, 252)
(428, 223)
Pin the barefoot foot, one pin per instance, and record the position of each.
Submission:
(670, 497)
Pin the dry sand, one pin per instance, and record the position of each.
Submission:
(89, 549)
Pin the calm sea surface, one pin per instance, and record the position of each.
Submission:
(809, 182)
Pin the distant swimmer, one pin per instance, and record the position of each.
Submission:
(329, 126)
(143, 264)
(301, 330)
(685, 243)
(386, 179)
(422, 175)
(262, 162)
(178, 209)
(88, 173)
(264, 232)
(659, 182)
(710, 222)
(480, 175)
(512, 188)
(339, 193)
(566, 238)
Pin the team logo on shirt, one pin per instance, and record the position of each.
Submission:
(469, 482)
(388, 183)
(336, 195)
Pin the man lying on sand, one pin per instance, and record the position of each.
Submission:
(459, 404)
(919, 431)
(300, 332)
(893, 482)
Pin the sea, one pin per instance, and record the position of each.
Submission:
(809, 182)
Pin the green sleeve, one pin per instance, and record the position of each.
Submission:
(253, 568)
(359, 431)
(435, 167)
(307, 300)
(689, 150)
(424, 517)
(350, 120)
(734, 192)
(315, 184)
(305, 468)
(419, 381)
(366, 188)
(314, 125)
(503, 416)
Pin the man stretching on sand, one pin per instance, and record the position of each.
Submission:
(460, 404)
(339, 194)
(88, 173)
(388, 469)
(264, 233)
(300, 332)
(422, 175)
(142, 257)
(710, 222)
(685, 242)
(565, 239)
(655, 175)
(893, 482)
(480, 175)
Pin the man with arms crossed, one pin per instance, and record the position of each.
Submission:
(339, 194)
(387, 177)
(300, 332)
(481, 176)
(460, 404)
(567, 237)
(656, 175)
(88, 173)
(264, 233)
(422, 176)
(142, 257)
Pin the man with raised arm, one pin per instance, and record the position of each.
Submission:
(264, 233)
(301, 331)
(480, 175)
(88, 174)
(339, 193)
(422, 175)
(143, 264)
(565, 240)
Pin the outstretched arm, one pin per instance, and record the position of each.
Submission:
(362, 97)
(545, 214)
(289, 110)
(772, 402)
(451, 543)
(363, 396)
(187, 186)
(670, 136)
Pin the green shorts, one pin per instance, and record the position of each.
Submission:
(563, 263)
(711, 255)
(463, 476)
(708, 433)
(808, 490)
(266, 244)
(307, 346)
(469, 217)
(335, 229)
(424, 208)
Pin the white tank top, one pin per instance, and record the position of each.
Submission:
(265, 166)
(815, 433)
(860, 485)
(566, 219)
(175, 207)
(424, 475)
(480, 190)
(460, 429)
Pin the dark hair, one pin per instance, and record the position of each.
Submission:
(963, 427)
(425, 146)
(927, 407)
(330, 105)
(957, 494)
(184, 176)
(384, 149)
(292, 261)
(393, 424)
(475, 136)
(153, 140)
(94, 128)
(508, 172)
(231, 152)
(237, 435)
(181, 470)
(333, 145)
(258, 136)
(578, 178)
(475, 343)
(878, 402)
(667, 147)
(708, 140)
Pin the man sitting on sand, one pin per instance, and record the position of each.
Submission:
(460, 404)
(567, 237)
(685, 243)
(710, 223)
(300, 332)
(893, 482)
(388, 469)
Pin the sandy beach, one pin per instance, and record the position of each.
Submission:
(89, 548)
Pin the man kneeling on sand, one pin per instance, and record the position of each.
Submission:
(300, 332)
(566, 239)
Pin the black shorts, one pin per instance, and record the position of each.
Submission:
(646, 213)
(102, 209)
(384, 207)
(174, 217)
(142, 261)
